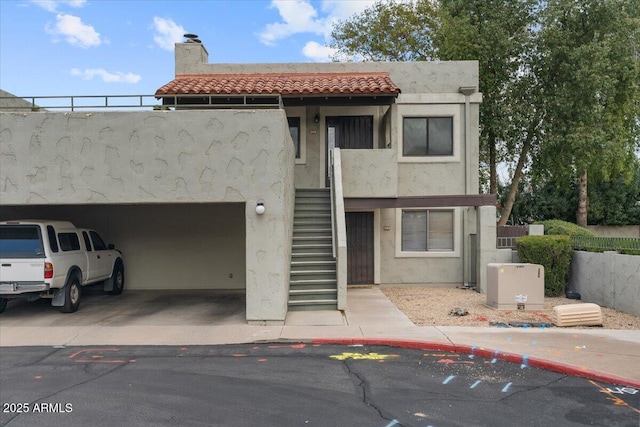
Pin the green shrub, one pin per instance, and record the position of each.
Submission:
(552, 252)
(553, 227)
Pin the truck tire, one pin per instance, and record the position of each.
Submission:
(3, 304)
(72, 292)
(118, 279)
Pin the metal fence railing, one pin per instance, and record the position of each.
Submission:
(605, 243)
(124, 102)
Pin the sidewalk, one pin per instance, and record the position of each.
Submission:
(598, 354)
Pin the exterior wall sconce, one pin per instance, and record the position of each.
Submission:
(260, 209)
(316, 118)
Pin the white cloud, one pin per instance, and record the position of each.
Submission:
(52, 5)
(299, 17)
(107, 77)
(167, 33)
(74, 31)
(317, 52)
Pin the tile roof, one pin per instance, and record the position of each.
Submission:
(285, 84)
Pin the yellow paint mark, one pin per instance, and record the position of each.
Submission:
(616, 400)
(97, 356)
(239, 355)
(555, 352)
(362, 356)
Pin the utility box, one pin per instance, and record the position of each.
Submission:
(515, 286)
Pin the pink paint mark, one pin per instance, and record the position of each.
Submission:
(480, 319)
(37, 377)
(296, 346)
(262, 360)
(183, 348)
(89, 350)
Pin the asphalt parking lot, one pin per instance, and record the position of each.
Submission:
(285, 384)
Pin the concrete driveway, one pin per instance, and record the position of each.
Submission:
(134, 308)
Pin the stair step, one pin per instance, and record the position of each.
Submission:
(313, 282)
(303, 272)
(311, 291)
(297, 264)
(313, 302)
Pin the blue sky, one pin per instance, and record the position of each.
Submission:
(119, 47)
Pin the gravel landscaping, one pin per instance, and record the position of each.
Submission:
(432, 307)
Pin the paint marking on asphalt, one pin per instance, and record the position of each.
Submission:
(475, 384)
(504, 390)
(392, 423)
(615, 399)
(449, 378)
(471, 356)
(524, 361)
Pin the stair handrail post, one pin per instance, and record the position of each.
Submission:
(339, 226)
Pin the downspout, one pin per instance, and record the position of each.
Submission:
(467, 91)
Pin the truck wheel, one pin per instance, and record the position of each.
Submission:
(118, 279)
(72, 293)
(3, 304)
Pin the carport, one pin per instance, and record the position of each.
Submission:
(165, 246)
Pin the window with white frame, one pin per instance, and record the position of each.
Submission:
(294, 129)
(427, 230)
(427, 136)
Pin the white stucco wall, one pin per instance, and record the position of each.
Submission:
(165, 157)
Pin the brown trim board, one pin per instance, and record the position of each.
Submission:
(420, 201)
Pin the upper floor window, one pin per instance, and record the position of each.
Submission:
(294, 129)
(427, 136)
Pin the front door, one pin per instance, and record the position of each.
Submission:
(350, 132)
(359, 248)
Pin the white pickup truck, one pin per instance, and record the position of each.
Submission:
(54, 259)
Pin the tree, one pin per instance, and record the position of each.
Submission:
(388, 31)
(590, 75)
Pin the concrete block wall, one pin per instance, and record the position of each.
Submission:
(608, 279)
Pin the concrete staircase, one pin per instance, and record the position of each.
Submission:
(313, 284)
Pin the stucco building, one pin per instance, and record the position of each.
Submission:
(285, 181)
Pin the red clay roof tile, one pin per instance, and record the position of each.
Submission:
(288, 84)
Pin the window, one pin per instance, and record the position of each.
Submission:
(87, 242)
(53, 243)
(69, 242)
(427, 230)
(20, 241)
(98, 243)
(427, 136)
(294, 129)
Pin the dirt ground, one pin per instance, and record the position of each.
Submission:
(432, 307)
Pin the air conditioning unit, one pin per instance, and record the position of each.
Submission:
(585, 314)
(515, 286)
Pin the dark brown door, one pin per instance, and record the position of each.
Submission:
(350, 132)
(359, 248)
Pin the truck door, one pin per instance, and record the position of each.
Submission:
(101, 255)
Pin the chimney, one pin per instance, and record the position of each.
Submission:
(191, 56)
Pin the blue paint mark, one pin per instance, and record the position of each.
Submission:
(543, 326)
(392, 423)
(475, 384)
(494, 360)
(524, 361)
(534, 342)
(449, 378)
(508, 339)
(504, 390)
(471, 356)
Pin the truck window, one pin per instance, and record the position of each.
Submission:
(87, 242)
(98, 243)
(20, 241)
(69, 242)
(53, 242)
